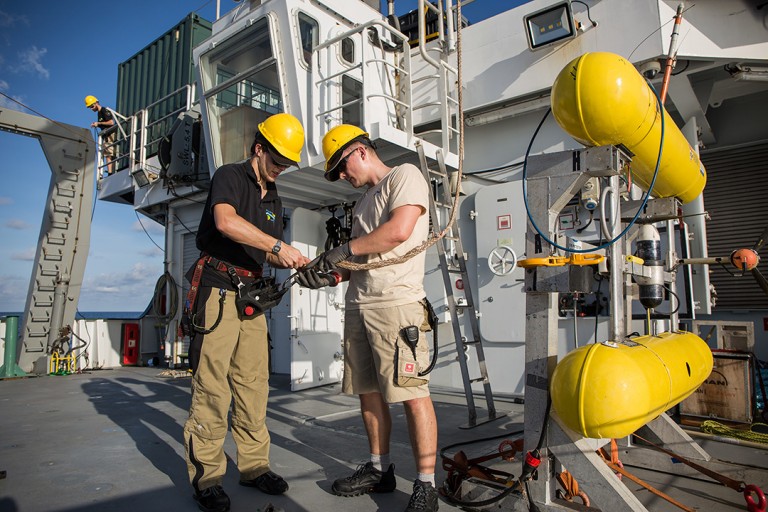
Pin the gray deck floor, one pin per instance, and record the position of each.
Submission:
(110, 440)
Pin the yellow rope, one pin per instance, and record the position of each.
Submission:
(713, 427)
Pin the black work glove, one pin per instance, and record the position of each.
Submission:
(313, 279)
(329, 259)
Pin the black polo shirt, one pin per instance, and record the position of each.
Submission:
(236, 185)
(104, 115)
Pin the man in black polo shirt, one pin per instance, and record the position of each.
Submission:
(241, 228)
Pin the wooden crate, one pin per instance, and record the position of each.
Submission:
(727, 394)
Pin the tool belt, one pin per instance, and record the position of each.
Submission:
(188, 325)
(256, 298)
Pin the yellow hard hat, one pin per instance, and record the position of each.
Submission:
(286, 135)
(90, 100)
(335, 141)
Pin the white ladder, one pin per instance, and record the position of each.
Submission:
(452, 265)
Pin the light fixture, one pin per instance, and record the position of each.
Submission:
(550, 25)
(141, 178)
(509, 111)
(747, 72)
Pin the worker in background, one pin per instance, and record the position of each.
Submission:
(104, 121)
(386, 311)
(241, 228)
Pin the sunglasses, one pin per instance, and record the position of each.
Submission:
(342, 165)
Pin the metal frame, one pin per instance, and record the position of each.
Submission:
(65, 233)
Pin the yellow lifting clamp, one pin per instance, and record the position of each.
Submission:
(552, 261)
(559, 261)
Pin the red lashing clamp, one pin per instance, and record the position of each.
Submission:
(532, 460)
(751, 505)
(336, 276)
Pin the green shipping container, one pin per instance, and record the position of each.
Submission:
(161, 68)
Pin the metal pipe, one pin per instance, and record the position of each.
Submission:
(618, 324)
(10, 368)
(169, 335)
(672, 256)
(423, 33)
(672, 52)
(57, 310)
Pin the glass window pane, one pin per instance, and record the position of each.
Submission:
(308, 30)
(348, 50)
(246, 67)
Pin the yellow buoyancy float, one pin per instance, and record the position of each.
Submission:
(600, 99)
(609, 389)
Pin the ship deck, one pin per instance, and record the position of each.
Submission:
(110, 440)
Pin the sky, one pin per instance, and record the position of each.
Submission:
(52, 54)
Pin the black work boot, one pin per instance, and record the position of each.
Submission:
(424, 498)
(365, 479)
(212, 499)
(269, 483)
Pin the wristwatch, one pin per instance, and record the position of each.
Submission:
(276, 248)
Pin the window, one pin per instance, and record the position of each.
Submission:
(351, 96)
(348, 50)
(242, 88)
(308, 30)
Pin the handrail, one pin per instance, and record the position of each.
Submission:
(358, 32)
(137, 140)
(359, 29)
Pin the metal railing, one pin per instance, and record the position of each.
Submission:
(328, 72)
(138, 136)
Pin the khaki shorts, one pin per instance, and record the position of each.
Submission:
(376, 356)
(108, 144)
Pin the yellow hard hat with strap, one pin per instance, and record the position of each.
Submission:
(286, 135)
(335, 142)
(90, 100)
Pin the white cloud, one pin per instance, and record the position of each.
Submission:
(13, 293)
(152, 227)
(120, 291)
(11, 20)
(30, 62)
(151, 252)
(7, 102)
(27, 255)
(10, 104)
(18, 224)
(5, 200)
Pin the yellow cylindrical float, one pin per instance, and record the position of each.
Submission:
(609, 389)
(600, 99)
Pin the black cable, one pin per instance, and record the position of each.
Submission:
(480, 440)
(591, 217)
(677, 300)
(173, 299)
(687, 63)
(589, 16)
(488, 501)
(146, 232)
(507, 167)
(182, 223)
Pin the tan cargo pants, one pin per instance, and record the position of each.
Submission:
(233, 370)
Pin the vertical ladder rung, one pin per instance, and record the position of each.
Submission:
(458, 266)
